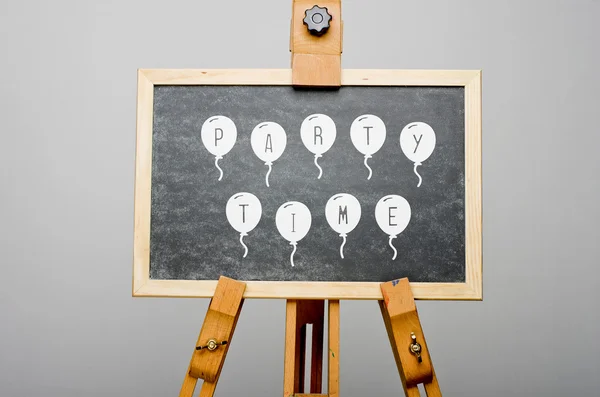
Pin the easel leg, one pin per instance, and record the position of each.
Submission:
(299, 313)
(208, 389)
(433, 388)
(390, 332)
(402, 323)
(218, 327)
(189, 385)
(291, 360)
(334, 349)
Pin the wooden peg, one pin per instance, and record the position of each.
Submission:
(316, 60)
(406, 337)
(215, 337)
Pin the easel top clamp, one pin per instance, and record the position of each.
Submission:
(316, 43)
(316, 46)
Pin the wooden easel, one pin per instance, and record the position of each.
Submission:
(399, 314)
(316, 62)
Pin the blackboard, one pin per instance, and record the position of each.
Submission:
(235, 167)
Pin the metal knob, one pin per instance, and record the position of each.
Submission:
(317, 20)
(211, 345)
(415, 347)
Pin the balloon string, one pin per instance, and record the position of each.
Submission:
(343, 236)
(292, 254)
(416, 173)
(369, 168)
(242, 242)
(268, 173)
(394, 248)
(318, 166)
(217, 158)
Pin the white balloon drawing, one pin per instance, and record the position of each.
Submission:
(368, 135)
(392, 214)
(343, 214)
(293, 221)
(243, 212)
(218, 136)
(268, 142)
(417, 141)
(318, 135)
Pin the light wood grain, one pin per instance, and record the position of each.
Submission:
(316, 70)
(304, 290)
(473, 206)
(471, 289)
(289, 354)
(352, 77)
(143, 179)
(218, 76)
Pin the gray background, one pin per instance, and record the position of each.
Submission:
(191, 238)
(68, 326)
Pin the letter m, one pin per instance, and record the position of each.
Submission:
(343, 214)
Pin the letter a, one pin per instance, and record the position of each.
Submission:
(269, 144)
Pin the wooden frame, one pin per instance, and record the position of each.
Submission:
(469, 290)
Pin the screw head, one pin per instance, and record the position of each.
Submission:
(212, 345)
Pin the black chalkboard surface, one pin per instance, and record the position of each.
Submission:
(266, 183)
